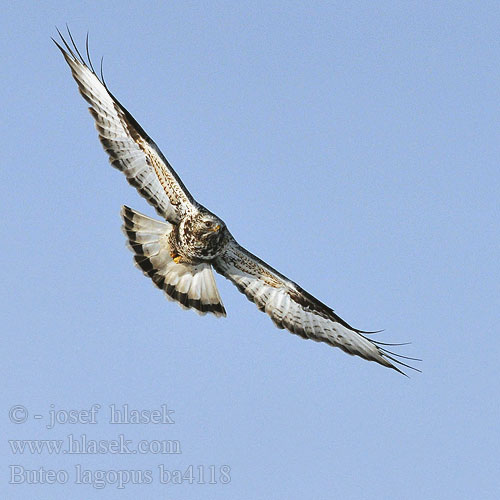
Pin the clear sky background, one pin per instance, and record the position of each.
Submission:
(352, 145)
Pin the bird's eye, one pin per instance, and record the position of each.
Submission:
(208, 223)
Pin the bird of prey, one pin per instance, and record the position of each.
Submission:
(179, 254)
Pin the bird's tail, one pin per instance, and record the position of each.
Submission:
(191, 286)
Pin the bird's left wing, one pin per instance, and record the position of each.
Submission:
(129, 148)
(291, 307)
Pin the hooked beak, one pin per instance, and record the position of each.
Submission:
(216, 228)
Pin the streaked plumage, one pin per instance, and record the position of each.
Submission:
(179, 254)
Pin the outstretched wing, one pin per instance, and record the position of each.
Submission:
(291, 307)
(129, 148)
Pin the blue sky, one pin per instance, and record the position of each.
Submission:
(353, 146)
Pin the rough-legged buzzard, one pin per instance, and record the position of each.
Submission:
(179, 254)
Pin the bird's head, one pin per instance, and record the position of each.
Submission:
(208, 226)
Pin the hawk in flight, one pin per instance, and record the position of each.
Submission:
(178, 254)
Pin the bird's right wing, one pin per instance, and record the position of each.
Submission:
(129, 148)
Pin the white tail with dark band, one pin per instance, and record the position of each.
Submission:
(191, 286)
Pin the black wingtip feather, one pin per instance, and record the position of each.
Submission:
(102, 72)
(91, 66)
(73, 52)
(80, 58)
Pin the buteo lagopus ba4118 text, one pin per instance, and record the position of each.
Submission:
(180, 253)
